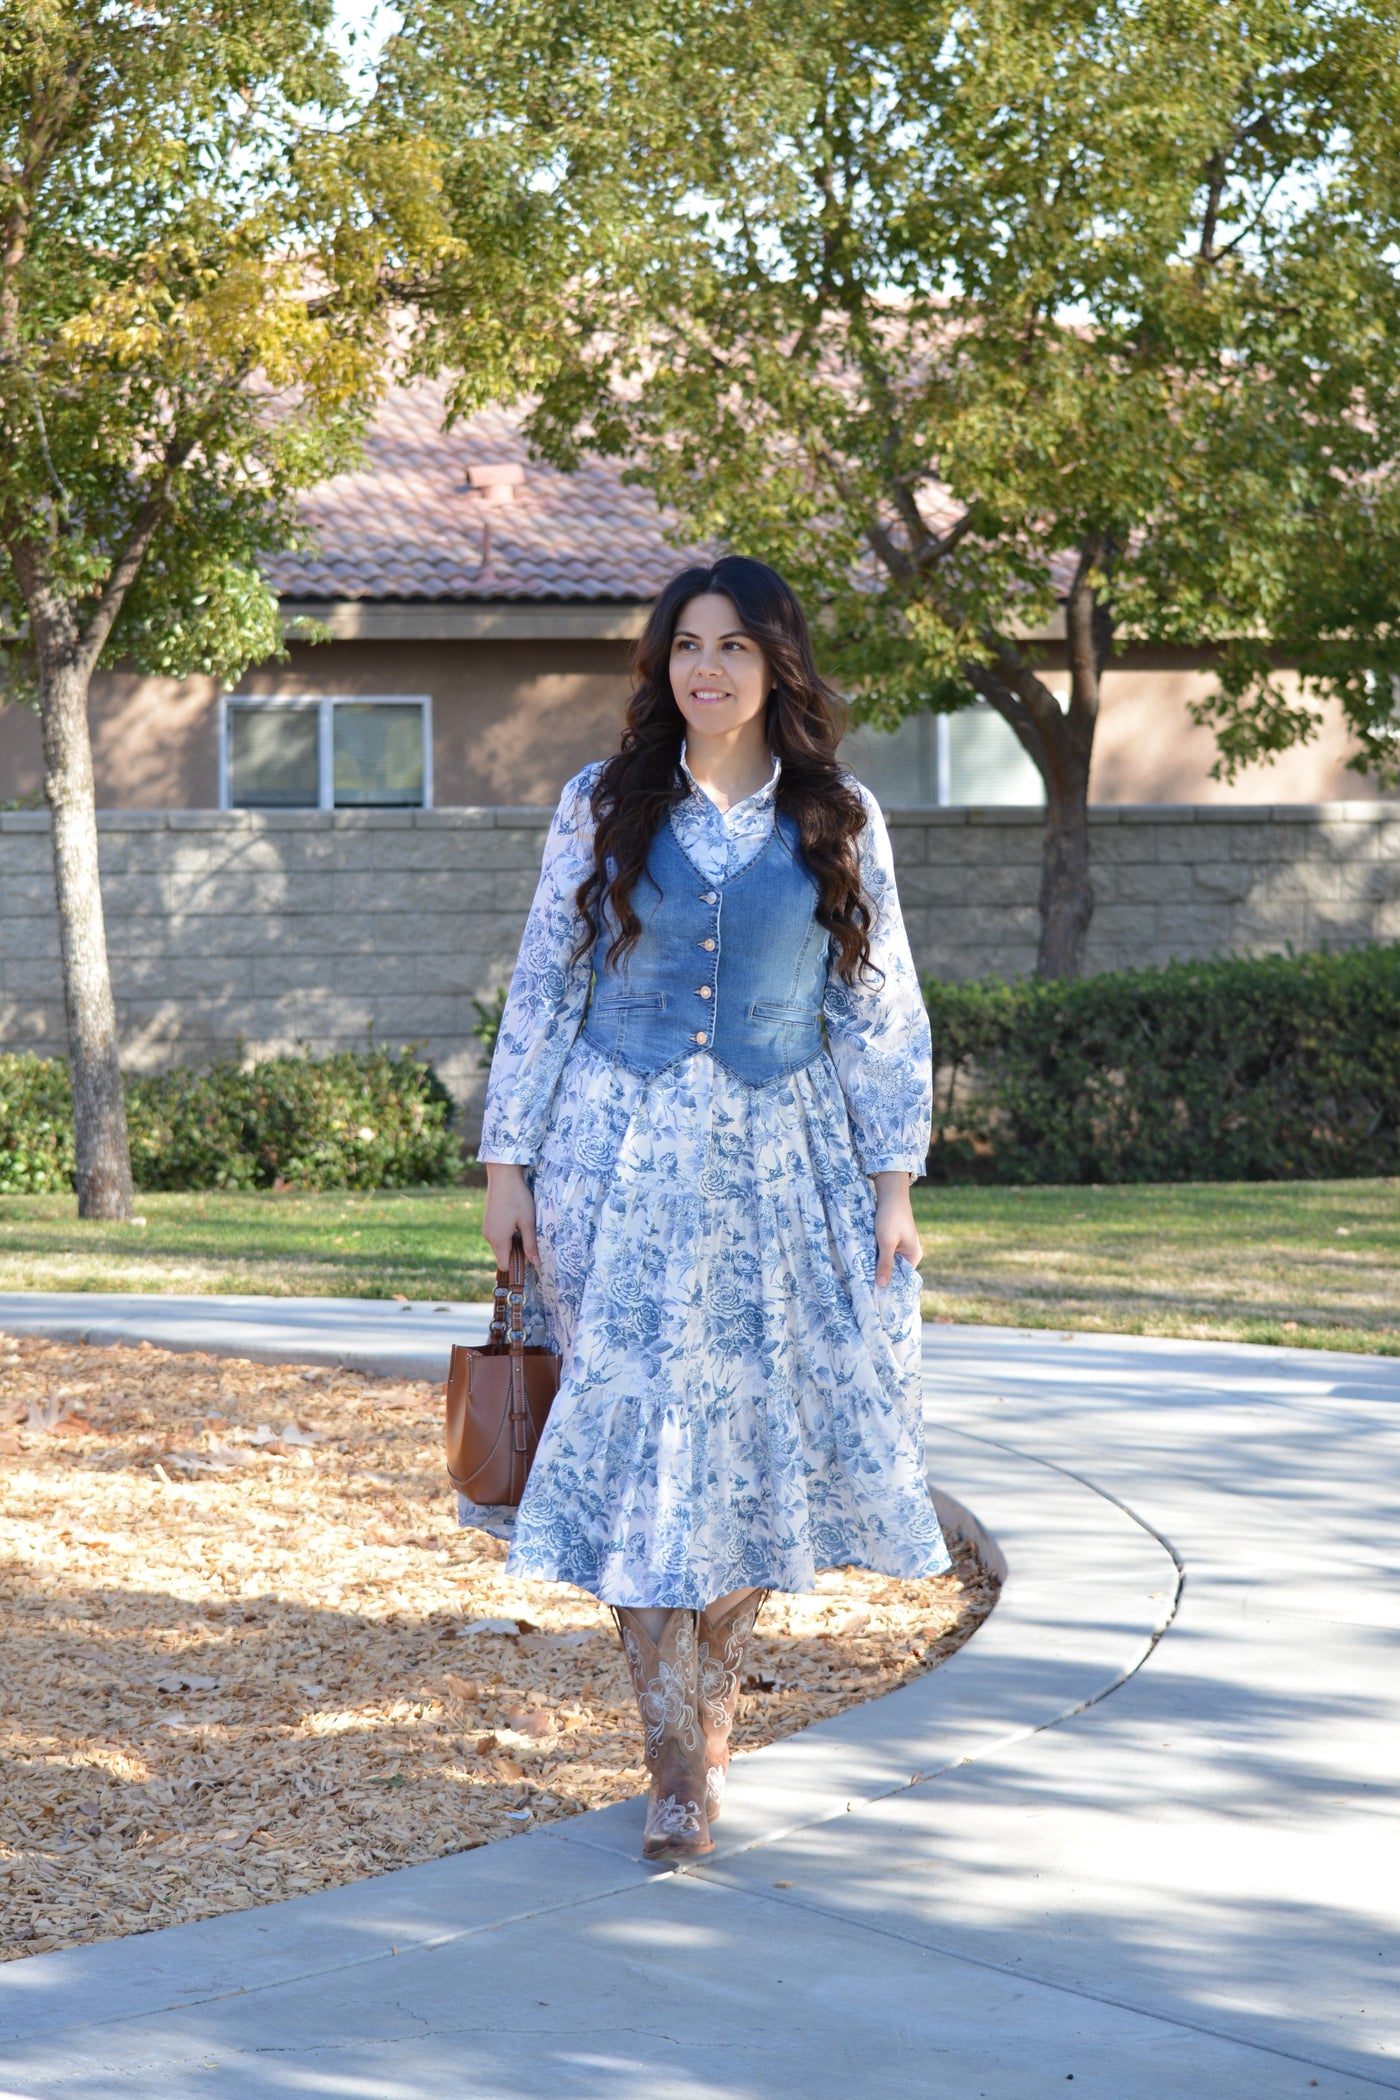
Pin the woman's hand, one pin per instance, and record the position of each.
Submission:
(510, 1208)
(895, 1230)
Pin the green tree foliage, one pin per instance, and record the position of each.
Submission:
(972, 318)
(211, 236)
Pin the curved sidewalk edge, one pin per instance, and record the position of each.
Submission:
(1086, 1593)
(384, 1336)
(1042, 1863)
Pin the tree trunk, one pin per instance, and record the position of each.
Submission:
(1061, 742)
(1057, 743)
(1066, 893)
(99, 1110)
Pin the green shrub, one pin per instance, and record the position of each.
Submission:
(1261, 1069)
(357, 1119)
(36, 1126)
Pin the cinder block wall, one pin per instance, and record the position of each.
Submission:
(318, 928)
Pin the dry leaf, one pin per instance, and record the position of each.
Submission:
(50, 1414)
(530, 1720)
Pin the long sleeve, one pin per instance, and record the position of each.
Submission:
(548, 992)
(878, 1033)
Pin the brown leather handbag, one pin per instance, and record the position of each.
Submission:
(498, 1398)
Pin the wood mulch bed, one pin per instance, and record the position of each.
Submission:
(245, 1652)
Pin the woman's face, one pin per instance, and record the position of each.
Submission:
(719, 674)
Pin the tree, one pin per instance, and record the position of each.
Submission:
(211, 232)
(964, 316)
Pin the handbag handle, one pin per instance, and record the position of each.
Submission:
(508, 1303)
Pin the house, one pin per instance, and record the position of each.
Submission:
(480, 607)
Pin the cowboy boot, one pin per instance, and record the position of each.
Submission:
(721, 1636)
(664, 1678)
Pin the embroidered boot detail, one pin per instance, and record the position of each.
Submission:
(665, 1678)
(721, 1639)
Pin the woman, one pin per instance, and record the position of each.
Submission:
(710, 1091)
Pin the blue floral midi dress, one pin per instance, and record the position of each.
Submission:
(739, 1403)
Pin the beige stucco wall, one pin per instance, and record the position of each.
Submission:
(1148, 748)
(512, 720)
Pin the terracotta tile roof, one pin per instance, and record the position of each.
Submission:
(408, 524)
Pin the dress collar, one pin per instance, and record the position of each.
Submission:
(759, 799)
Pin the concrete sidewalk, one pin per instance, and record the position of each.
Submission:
(1156, 1863)
(383, 1335)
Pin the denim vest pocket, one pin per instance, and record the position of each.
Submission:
(609, 1019)
(793, 1031)
(778, 1010)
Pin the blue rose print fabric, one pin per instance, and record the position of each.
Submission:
(740, 1404)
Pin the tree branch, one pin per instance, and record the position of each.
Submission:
(938, 546)
(1216, 169)
(50, 110)
(152, 516)
(125, 570)
(1089, 637)
(1248, 229)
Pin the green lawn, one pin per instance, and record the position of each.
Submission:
(1314, 1264)
(421, 1243)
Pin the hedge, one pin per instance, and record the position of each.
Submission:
(356, 1120)
(1262, 1069)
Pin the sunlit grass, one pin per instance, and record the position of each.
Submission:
(1312, 1264)
(418, 1243)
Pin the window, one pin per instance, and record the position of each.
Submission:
(362, 752)
(899, 766)
(273, 758)
(987, 763)
(945, 761)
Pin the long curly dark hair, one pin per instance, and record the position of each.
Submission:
(804, 719)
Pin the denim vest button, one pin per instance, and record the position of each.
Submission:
(762, 984)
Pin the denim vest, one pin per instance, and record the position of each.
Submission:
(737, 969)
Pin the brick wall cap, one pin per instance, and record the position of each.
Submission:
(1331, 812)
(286, 819)
(461, 817)
(525, 816)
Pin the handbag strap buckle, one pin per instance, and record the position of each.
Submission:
(508, 1301)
